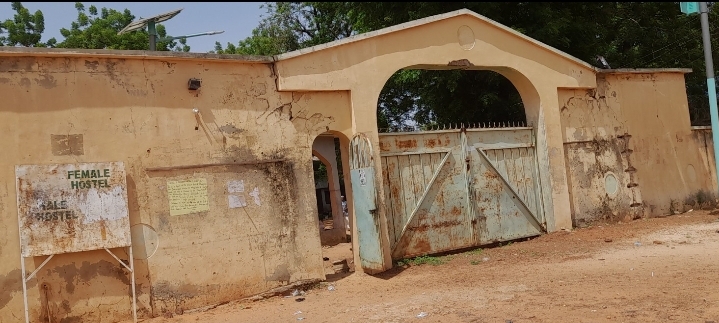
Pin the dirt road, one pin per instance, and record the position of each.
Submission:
(652, 270)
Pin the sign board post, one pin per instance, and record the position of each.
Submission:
(689, 7)
(72, 208)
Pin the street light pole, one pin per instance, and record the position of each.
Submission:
(711, 84)
(153, 34)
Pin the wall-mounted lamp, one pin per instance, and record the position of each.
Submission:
(194, 84)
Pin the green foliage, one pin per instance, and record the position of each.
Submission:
(25, 29)
(421, 260)
(320, 171)
(444, 97)
(97, 29)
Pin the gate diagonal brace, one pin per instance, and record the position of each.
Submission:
(421, 200)
(511, 189)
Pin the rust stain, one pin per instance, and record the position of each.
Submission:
(395, 191)
(430, 143)
(421, 246)
(490, 174)
(436, 225)
(384, 146)
(411, 143)
(456, 211)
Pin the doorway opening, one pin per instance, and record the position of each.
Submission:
(333, 219)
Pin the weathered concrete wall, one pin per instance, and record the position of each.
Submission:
(705, 170)
(138, 110)
(591, 121)
(634, 126)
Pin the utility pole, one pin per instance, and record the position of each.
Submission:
(711, 84)
(702, 8)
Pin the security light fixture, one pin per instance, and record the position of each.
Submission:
(194, 84)
(150, 23)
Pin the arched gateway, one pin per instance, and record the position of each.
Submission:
(479, 185)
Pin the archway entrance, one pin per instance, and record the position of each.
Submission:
(459, 166)
(333, 221)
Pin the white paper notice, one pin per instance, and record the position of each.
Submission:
(256, 195)
(236, 186)
(236, 201)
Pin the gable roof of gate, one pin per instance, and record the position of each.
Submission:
(429, 20)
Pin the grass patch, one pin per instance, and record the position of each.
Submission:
(475, 262)
(421, 260)
(475, 252)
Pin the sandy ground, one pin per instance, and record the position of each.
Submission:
(651, 270)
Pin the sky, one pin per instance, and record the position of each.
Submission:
(237, 19)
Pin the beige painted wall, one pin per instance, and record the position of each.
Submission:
(672, 163)
(137, 109)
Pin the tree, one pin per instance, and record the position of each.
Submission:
(25, 29)
(95, 29)
(289, 26)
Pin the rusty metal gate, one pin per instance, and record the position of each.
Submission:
(458, 188)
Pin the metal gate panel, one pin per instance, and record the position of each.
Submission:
(504, 184)
(452, 189)
(364, 203)
(425, 192)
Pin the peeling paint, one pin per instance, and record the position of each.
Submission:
(48, 81)
(72, 275)
(11, 286)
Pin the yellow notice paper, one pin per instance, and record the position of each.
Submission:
(189, 196)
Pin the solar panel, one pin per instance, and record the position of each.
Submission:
(140, 24)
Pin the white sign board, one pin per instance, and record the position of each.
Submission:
(72, 207)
